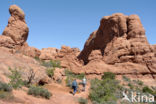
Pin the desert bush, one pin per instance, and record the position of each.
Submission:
(146, 89)
(15, 78)
(50, 72)
(73, 75)
(104, 90)
(37, 58)
(39, 91)
(109, 75)
(6, 95)
(56, 63)
(126, 79)
(130, 86)
(69, 81)
(82, 101)
(5, 91)
(59, 81)
(51, 63)
(139, 82)
(5, 87)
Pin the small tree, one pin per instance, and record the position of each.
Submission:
(50, 72)
(109, 75)
(15, 78)
(31, 76)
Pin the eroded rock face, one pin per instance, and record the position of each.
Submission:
(68, 57)
(22, 62)
(17, 28)
(119, 46)
(6, 42)
(48, 53)
(120, 39)
(15, 35)
(29, 51)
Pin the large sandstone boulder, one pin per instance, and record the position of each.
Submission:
(48, 53)
(119, 46)
(120, 38)
(17, 28)
(68, 58)
(29, 51)
(15, 35)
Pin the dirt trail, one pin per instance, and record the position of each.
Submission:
(62, 95)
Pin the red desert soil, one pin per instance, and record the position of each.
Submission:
(61, 95)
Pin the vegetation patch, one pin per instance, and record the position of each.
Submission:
(5, 87)
(146, 89)
(126, 79)
(50, 72)
(15, 78)
(105, 90)
(82, 101)
(39, 91)
(108, 75)
(72, 75)
(69, 81)
(6, 95)
(51, 63)
(5, 91)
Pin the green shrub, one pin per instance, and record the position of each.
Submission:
(69, 81)
(140, 82)
(5, 91)
(59, 81)
(5, 87)
(130, 86)
(15, 78)
(73, 75)
(51, 63)
(6, 95)
(50, 72)
(37, 58)
(82, 101)
(126, 79)
(39, 91)
(56, 63)
(146, 89)
(109, 75)
(104, 90)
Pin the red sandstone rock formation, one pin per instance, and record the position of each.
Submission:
(119, 46)
(17, 28)
(16, 33)
(120, 39)
(48, 53)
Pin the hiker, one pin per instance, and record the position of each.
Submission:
(74, 86)
(84, 83)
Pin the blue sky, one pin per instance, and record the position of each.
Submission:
(53, 23)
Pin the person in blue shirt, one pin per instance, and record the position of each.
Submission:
(74, 86)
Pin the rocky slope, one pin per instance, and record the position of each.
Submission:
(14, 51)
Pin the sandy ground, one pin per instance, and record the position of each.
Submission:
(61, 95)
